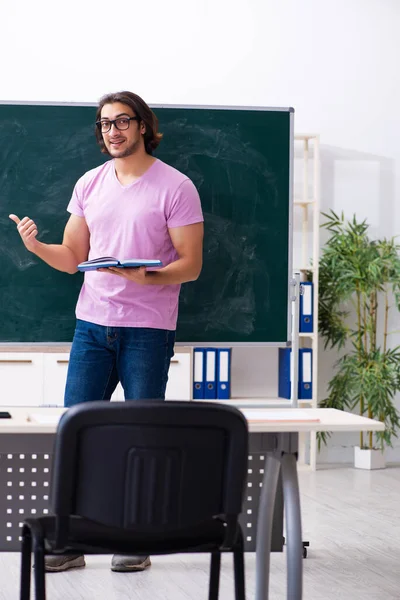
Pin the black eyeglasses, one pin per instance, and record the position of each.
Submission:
(121, 124)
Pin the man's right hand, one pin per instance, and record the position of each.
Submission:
(27, 230)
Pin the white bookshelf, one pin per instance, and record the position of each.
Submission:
(306, 212)
(306, 252)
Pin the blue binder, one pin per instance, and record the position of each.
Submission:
(305, 373)
(284, 385)
(210, 388)
(306, 307)
(224, 374)
(198, 373)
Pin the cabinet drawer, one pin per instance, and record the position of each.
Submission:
(21, 376)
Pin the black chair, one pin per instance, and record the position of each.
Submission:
(144, 478)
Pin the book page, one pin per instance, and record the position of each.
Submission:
(101, 259)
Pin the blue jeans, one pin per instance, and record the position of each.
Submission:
(100, 357)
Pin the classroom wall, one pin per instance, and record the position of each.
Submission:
(336, 63)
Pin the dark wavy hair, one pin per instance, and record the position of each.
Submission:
(151, 137)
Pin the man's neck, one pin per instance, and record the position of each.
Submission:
(132, 167)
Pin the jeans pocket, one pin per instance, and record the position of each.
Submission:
(142, 338)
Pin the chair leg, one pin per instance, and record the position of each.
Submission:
(215, 568)
(26, 555)
(40, 588)
(238, 563)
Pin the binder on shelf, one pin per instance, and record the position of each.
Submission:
(306, 307)
(224, 373)
(284, 386)
(210, 386)
(304, 374)
(198, 373)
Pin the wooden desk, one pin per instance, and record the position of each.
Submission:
(283, 425)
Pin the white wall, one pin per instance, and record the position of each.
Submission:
(335, 62)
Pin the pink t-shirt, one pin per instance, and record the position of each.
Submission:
(132, 221)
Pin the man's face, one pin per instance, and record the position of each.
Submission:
(125, 142)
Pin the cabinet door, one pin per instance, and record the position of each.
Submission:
(179, 386)
(55, 377)
(21, 376)
(118, 394)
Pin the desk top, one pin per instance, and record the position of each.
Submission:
(31, 419)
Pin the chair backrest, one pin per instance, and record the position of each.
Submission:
(149, 465)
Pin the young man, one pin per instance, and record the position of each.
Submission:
(133, 206)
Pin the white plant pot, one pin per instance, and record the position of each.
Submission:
(368, 459)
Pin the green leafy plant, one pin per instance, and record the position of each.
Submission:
(359, 283)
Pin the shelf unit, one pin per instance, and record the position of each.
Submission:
(306, 210)
(306, 251)
(306, 213)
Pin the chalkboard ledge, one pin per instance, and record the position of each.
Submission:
(60, 348)
(37, 347)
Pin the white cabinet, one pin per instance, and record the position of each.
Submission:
(55, 368)
(54, 378)
(118, 393)
(38, 378)
(21, 376)
(179, 386)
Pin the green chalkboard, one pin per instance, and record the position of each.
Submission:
(240, 161)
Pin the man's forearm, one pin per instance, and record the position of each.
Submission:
(180, 271)
(58, 256)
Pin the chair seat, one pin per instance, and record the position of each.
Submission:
(89, 537)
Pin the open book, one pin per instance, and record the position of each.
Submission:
(110, 261)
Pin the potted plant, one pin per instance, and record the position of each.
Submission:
(359, 284)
